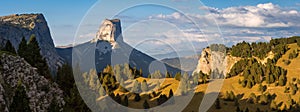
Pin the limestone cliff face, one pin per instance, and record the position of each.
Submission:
(40, 91)
(211, 61)
(111, 31)
(14, 27)
(108, 48)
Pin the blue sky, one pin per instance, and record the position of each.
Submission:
(252, 20)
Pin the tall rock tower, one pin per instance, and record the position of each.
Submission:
(110, 30)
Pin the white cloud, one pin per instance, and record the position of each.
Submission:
(88, 35)
(249, 23)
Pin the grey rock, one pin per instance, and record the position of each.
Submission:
(14, 27)
(39, 90)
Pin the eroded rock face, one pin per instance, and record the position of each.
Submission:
(204, 61)
(39, 90)
(111, 31)
(14, 27)
(215, 61)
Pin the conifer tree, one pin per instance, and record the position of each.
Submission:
(20, 101)
(35, 59)
(22, 51)
(144, 86)
(9, 47)
(125, 102)
(273, 105)
(217, 104)
(146, 105)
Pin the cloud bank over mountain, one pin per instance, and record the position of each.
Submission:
(249, 23)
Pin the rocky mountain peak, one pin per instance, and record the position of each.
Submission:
(110, 30)
(15, 27)
(27, 21)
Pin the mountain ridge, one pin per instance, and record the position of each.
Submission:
(14, 27)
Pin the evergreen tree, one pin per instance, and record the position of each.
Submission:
(125, 102)
(22, 51)
(102, 91)
(93, 78)
(136, 87)
(178, 76)
(144, 86)
(273, 105)
(263, 99)
(217, 104)
(247, 110)
(238, 109)
(35, 59)
(282, 80)
(65, 78)
(137, 97)
(146, 105)
(53, 106)
(118, 98)
(9, 47)
(171, 94)
(168, 75)
(20, 101)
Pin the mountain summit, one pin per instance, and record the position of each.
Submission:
(14, 27)
(108, 48)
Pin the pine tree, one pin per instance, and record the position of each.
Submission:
(136, 87)
(178, 76)
(35, 59)
(9, 47)
(137, 97)
(101, 91)
(125, 102)
(93, 77)
(144, 86)
(146, 105)
(22, 51)
(53, 106)
(20, 101)
(273, 105)
(118, 98)
(171, 94)
(247, 110)
(217, 104)
(237, 109)
(263, 99)
(282, 80)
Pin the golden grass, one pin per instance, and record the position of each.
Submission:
(230, 84)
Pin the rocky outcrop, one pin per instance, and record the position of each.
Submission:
(40, 91)
(215, 61)
(108, 48)
(14, 27)
(111, 31)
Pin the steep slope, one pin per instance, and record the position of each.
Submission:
(40, 91)
(108, 48)
(14, 27)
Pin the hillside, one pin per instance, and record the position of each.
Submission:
(21, 87)
(276, 87)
